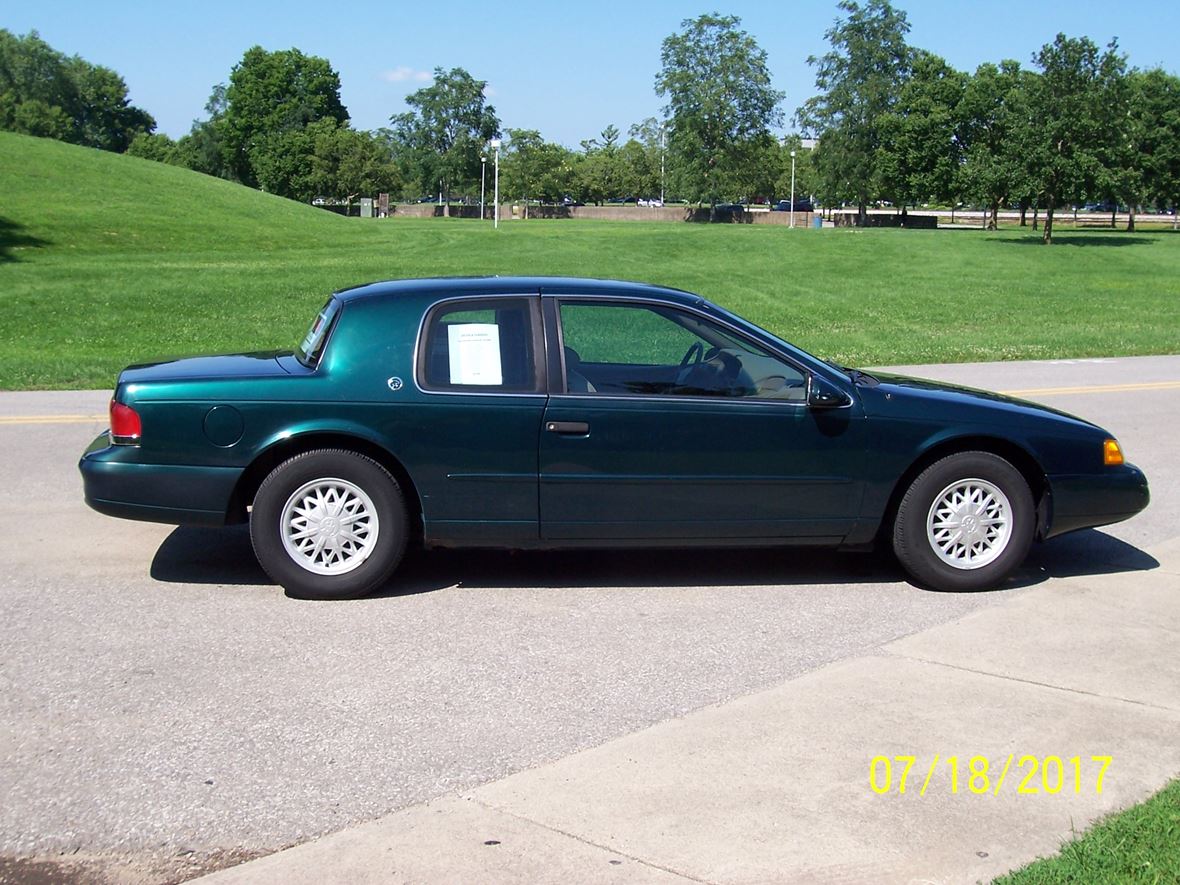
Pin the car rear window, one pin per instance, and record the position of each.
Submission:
(312, 347)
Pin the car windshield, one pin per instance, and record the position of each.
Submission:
(309, 351)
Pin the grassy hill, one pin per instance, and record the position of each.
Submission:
(106, 260)
(96, 201)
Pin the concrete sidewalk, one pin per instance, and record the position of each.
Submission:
(776, 786)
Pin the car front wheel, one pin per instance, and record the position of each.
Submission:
(965, 523)
(329, 524)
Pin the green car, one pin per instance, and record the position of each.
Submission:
(547, 412)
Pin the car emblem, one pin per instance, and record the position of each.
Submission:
(394, 383)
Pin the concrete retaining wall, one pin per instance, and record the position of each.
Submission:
(510, 211)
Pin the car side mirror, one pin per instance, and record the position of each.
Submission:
(822, 394)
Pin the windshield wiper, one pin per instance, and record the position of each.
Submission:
(857, 375)
(860, 377)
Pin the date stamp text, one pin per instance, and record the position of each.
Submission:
(981, 775)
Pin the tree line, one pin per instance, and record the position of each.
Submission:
(896, 123)
(46, 93)
(889, 123)
(279, 124)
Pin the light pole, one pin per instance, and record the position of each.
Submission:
(792, 188)
(483, 177)
(663, 147)
(496, 198)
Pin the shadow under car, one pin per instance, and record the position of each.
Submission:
(191, 555)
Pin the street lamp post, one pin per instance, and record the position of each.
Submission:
(483, 177)
(663, 148)
(792, 188)
(496, 198)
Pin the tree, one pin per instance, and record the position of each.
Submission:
(203, 149)
(600, 174)
(271, 94)
(37, 95)
(324, 158)
(806, 180)
(720, 103)
(534, 169)
(447, 131)
(283, 160)
(105, 119)
(646, 153)
(1142, 160)
(859, 81)
(347, 163)
(45, 93)
(992, 115)
(637, 173)
(921, 154)
(1158, 101)
(155, 146)
(1075, 105)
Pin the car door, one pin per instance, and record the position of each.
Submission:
(480, 369)
(671, 425)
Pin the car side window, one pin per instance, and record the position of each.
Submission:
(485, 345)
(614, 349)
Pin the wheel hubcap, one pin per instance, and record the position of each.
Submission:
(329, 526)
(969, 524)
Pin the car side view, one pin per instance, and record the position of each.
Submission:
(555, 412)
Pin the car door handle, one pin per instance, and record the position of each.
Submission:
(573, 428)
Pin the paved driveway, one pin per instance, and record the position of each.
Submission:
(164, 709)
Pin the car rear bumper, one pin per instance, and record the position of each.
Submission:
(150, 492)
(1090, 500)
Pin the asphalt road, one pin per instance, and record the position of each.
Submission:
(164, 709)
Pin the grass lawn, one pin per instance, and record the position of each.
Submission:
(1141, 844)
(107, 260)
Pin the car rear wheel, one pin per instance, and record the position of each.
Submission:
(329, 524)
(965, 523)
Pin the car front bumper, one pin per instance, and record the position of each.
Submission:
(117, 486)
(1091, 500)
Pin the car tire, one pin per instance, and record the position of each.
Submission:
(965, 523)
(329, 524)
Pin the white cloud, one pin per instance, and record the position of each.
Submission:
(402, 73)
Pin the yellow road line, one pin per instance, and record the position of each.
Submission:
(52, 419)
(1029, 392)
(1097, 388)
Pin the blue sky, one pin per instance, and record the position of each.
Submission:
(566, 68)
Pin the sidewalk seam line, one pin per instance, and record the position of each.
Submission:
(576, 838)
(1091, 694)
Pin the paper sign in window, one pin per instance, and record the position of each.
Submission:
(475, 353)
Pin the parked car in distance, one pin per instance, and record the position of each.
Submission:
(800, 206)
(551, 412)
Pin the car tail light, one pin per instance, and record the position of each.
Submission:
(1112, 455)
(126, 428)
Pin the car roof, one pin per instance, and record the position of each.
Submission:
(518, 285)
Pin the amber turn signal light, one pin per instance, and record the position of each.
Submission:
(1112, 455)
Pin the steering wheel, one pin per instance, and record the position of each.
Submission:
(691, 359)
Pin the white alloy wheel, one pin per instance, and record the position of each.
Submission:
(329, 526)
(969, 523)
